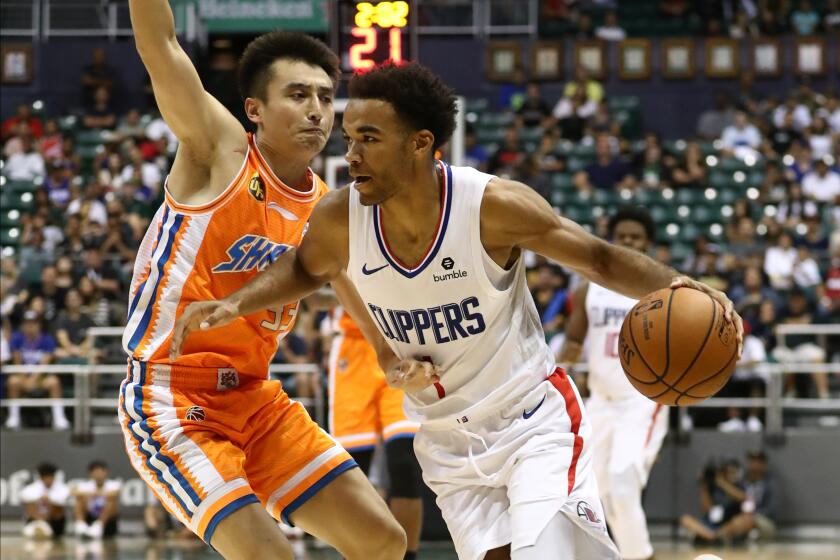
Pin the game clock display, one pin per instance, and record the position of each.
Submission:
(374, 32)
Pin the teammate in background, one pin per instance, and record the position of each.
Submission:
(97, 504)
(221, 445)
(364, 410)
(627, 428)
(435, 253)
(43, 503)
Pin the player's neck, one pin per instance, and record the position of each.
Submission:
(289, 168)
(418, 199)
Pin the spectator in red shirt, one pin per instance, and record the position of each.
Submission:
(24, 114)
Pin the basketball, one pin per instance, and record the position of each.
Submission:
(676, 347)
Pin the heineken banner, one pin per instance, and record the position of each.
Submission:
(261, 15)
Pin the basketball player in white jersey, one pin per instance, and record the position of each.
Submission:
(627, 428)
(435, 254)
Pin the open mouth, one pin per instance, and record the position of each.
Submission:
(360, 179)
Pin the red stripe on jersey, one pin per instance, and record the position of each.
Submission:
(441, 391)
(652, 423)
(561, 382)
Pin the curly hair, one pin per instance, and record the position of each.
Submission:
(418, 96)
(254, 70)
(638, 214)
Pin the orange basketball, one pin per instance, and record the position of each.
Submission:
(676, 347)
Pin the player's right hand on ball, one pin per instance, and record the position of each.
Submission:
(411, 376)
(200, 315)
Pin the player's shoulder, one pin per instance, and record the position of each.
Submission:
(333, 207)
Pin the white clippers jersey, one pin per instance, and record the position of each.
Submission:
(605, 311)
(456, 307)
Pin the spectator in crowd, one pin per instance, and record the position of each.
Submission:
(690, 169)
(71, 331)
(23, 115)
(97, 503)
(150, 173)
(571, 114)
(831, 19)
(546, 156)
(650, 167)
(822, 184)
(528, 172)
(606, 172)
(94, 304)
(583, 27)
(782, 136)
(800, 348)
(26, 164)
(610, 30)
(44, 501)
(819, 139)
(743, 26)
(801, 114)
(57, 184)
(751, 292)
(829, 293)
(712, 122)
(103, 273)
(758, 509)
(50, 143)
(475, 155)
(806, 271)
(158, 131)
(592, 88)
(741, 139)
(512, 93)
(507, 156)
(32, 346)
(88, 206)
(130, 126)
(779, 260)
(748, 380)
(721, 496)
(100, 115)
(744, 242)
(98, 74)
(533, 111)
(805, 19)
(47, 288)
(120, 239)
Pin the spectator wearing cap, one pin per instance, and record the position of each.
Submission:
(31, 346)
(44, 501)
(822, 184)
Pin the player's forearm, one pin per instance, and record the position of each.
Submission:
(570, 353)
(285, 281)
(630, 273)
(152, 23)
(355, 306)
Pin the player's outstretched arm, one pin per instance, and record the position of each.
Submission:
(320, 258)
(196, 118)
(575, 328)
(514, 215)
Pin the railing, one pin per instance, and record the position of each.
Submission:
(774, 402)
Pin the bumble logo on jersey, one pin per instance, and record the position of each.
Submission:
(256, 187)
(437, 325)
(251, 252)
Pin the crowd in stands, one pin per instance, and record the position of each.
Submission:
(96, 179)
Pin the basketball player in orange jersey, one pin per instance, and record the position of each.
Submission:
(627, 428)
(221, 445)
(365, 410)
(435, 253)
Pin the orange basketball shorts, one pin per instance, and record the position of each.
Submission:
(363, 408)
(207, 452)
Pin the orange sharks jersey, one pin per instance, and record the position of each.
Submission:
(195, 253)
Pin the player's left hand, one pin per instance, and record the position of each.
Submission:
(728, 307)
(411, 376)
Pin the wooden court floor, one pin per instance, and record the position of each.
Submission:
(136, 548)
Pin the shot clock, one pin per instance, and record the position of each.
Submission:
(370, 33)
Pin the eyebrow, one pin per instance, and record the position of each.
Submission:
(363, 129)
(300, 85)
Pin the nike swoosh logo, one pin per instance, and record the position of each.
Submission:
(367, 271)
(282, 211)
(527, 414)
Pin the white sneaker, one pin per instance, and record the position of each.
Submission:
(61, 423)
(80, 528)
(732, 425)
(96, 530)
(754, 424)
(12, 423)
(37, 530)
